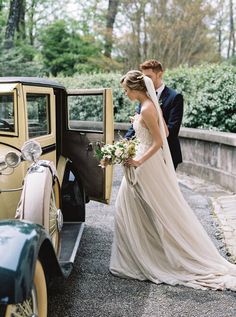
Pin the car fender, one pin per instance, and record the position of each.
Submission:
(21, 244)
(61, 166)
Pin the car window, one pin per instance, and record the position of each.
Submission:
(38, 111)
(85, 112)
(7, 113)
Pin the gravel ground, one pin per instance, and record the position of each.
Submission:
(92, 291)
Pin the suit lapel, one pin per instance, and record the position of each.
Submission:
(164, 96)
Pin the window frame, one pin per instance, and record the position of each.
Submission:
(48, 111)
(87, 92)
(14, 133)
(47, 139)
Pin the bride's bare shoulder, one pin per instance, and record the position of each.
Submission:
(148, 106)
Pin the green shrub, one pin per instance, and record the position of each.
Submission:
(209, 95)
(123, 108)
(20, 61)
(208, 90)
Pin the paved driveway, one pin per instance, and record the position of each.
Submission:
(91, 291)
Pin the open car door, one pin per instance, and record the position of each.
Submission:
(88, 124)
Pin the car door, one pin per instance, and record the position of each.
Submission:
(88, 124)
(40, 118)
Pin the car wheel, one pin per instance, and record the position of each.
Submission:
(55, 217)
(36, 305)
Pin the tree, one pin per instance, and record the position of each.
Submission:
(2, 16)
(110, 19)
(15, 21)
(55, 40)
(40, 13)
(65, 51)
(31, 23)
(21, 27)
(231, 42)
(133, 44)
(219, 25)
(173, 31)
(19, 61)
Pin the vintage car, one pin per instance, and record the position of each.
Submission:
(42, 204)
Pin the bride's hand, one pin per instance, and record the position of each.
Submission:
(130, 162)
(104, 163)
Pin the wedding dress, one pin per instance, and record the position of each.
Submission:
(157, 235)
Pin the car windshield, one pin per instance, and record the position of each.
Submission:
(7, 112)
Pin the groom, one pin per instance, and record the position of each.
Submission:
(171, 104)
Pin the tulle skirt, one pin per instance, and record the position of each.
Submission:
(159, 238)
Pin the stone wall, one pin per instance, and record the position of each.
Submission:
(207, 154)
(210, 155)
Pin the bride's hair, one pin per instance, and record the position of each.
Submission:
(134, 80)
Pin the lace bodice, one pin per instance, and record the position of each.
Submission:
(141, 132)
(143, 135)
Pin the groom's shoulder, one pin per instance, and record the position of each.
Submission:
(172, 92)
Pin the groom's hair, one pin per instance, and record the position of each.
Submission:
(152, 64)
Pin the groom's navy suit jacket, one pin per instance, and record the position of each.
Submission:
(171, 104)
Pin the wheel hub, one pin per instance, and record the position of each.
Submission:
(59, 219)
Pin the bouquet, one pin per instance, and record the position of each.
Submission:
(117, 153)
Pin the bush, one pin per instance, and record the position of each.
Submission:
(209, 95)
(208, 90)
(20, 61)
(123, 108)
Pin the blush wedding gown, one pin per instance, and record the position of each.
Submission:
(157, 235)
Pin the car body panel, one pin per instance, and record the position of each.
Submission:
(20, 242)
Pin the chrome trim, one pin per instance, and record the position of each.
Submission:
(10, 190)
(76, 245)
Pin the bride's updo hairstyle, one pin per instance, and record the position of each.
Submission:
(134, 80)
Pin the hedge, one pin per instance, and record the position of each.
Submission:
(209, 94)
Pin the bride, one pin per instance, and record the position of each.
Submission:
(157, 235)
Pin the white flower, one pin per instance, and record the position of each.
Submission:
(118, 152)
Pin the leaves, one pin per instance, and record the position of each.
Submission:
(116, 153)
(209, 95)
(208, 90)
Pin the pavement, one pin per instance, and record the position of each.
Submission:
(223, 208)
(91, 291)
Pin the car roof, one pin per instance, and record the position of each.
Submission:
(35, 81)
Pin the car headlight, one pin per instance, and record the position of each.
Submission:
(31, 150)
(12, 159)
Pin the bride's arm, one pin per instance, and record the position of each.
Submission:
(149, 116)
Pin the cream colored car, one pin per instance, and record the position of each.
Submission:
(35, 197)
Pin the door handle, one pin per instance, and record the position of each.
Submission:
(90, 147)
(99, 144)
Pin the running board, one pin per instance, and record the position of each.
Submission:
(71, 234)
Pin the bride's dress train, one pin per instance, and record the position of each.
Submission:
(157, 235)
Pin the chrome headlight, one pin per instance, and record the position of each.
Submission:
(31, 150)
(12, 159)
